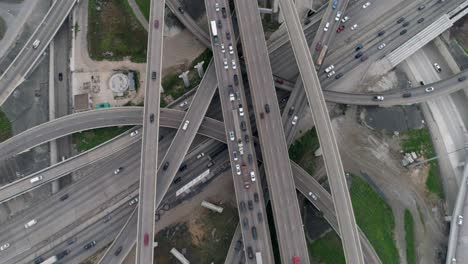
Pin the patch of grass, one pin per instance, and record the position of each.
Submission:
(375, 218)
(114, 32)
(144, 6)
(419, 141)
(303, 149)
(328, 249)
(5, 127)
(409, 237)
(206, 241)
(2, 28)
(174, 86)
(89, 139)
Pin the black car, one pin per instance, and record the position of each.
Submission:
(291, 111)
(260, 217)
(421, 20)
(166, 165)
(90, 244)
(210, 164)
(250, 203)
(177, 180)
(403, 32)
(256, 198)
(151, 118)
(462, 78)
(242, 206)
(381, 33)
(422, 83)
(183, 167)
(339, 75)
(250, 158)
(245, 222)
(220, 25)
(421, 7)
(64, 197)
(400, 20)
(246, 138)
(254, 232)
(38, 260)
(117, 252)
(267, 108)
(181, 10)
(358, 55)
(107, 218)
(236, 80)
(406, 95)
(60, 76)
(359, 46)
(406, 24)
(153, 75)
(243, 126)
(250, 253)
(238, 245)
(62, 254)
(223, 11)
(228, 35)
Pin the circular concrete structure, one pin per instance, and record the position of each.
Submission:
(119, 83)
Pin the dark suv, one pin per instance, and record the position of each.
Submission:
(90, 244)
(236, 79)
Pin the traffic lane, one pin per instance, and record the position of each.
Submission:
(55, 218)
(259, 78)
(352, 248)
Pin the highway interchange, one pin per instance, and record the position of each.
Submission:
(275, 160)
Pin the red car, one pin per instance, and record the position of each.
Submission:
(156, 24)
(296, 260)
(318, 46)
(146, 239)
(340, 29)
(364, 58)
(279, 81)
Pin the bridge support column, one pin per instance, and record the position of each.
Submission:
(53, 144)
(200, 69)
(184, 77)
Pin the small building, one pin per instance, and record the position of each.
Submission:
(81, 102)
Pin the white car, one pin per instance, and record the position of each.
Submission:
(241, 110)
(326, 26)
(344, 19)
(381, 46)
(329, 68)
(201, 155)
(4, 246)
(252, 176)
(134, 133)
(183, 104)
(231, 135)
(353, 27)
(378, 98)
(311, 194)
(117, 170)
(30, 223)
(238, 170)
(217, 7)
(460, 220)
(234, 64)
(133, 201)
(222, 48)
(187, 122)
(234, 155)
(437, 67)
(231, 50)
(231, 97)
(294, 121)
(338, 15)
(225, 64)
(366, 5)
(429, 89)
(330, 74)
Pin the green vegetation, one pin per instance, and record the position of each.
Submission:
(409, 237)
(328, 249)
(375, 218)
(419, 141)
(3, 28)
(303, 149)
(5, 127)
(144, 6)
(76, 28)
(114, 32)
(89, 139)
(269, 25)
(174, 86)
(205, 238)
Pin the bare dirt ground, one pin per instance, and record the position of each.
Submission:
(366, 151)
